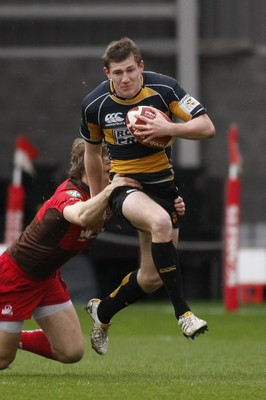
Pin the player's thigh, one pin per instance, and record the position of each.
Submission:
(8, 347)
(143, 212)
(63, 330)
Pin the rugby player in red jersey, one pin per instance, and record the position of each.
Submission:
(30, 278)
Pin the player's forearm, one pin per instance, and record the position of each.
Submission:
(94, 170)
(195, 129)
(89, 212)
(94, 182)
(93, 209)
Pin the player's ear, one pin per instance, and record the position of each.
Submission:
(106, 71)
(141, 65)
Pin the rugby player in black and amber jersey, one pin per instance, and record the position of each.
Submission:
(150, 209)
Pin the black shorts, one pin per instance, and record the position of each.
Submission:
(163, 193)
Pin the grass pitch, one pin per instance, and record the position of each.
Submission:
(148, 358)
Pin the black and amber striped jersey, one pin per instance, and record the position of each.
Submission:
(104, 118)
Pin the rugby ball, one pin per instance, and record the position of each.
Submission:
(148, 112)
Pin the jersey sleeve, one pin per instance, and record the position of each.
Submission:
(67, 197)
(184, 106)
(90, 128)
(60, 200)
(180, 103)
(90, 131)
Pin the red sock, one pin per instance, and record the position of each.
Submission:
(36, 342)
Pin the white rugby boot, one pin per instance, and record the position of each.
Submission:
(192, 326)
(99, 333)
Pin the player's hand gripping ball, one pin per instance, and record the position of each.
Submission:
(148, 112)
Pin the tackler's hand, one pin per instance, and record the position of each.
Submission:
(180, 206)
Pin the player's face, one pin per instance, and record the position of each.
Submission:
(126, 77)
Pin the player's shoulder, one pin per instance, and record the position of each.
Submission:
(68, 189)
(167, 86)
(97, 95)
(151, 77)
(75, 188)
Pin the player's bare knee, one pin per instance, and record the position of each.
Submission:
(4, 363)
(71, 355)
(75, 357)
(162, 227)
(150, 283)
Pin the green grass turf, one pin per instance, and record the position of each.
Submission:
(148, 358)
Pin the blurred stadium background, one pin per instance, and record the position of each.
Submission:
(50, 59)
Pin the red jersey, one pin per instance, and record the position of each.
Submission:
(50, 240)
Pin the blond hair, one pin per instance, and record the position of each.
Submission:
(77, 168)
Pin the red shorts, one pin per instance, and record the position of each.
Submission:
(20, 294)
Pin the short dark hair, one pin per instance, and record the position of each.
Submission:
(120, 50)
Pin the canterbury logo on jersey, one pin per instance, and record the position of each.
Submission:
(114, 118)
(167, 269)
